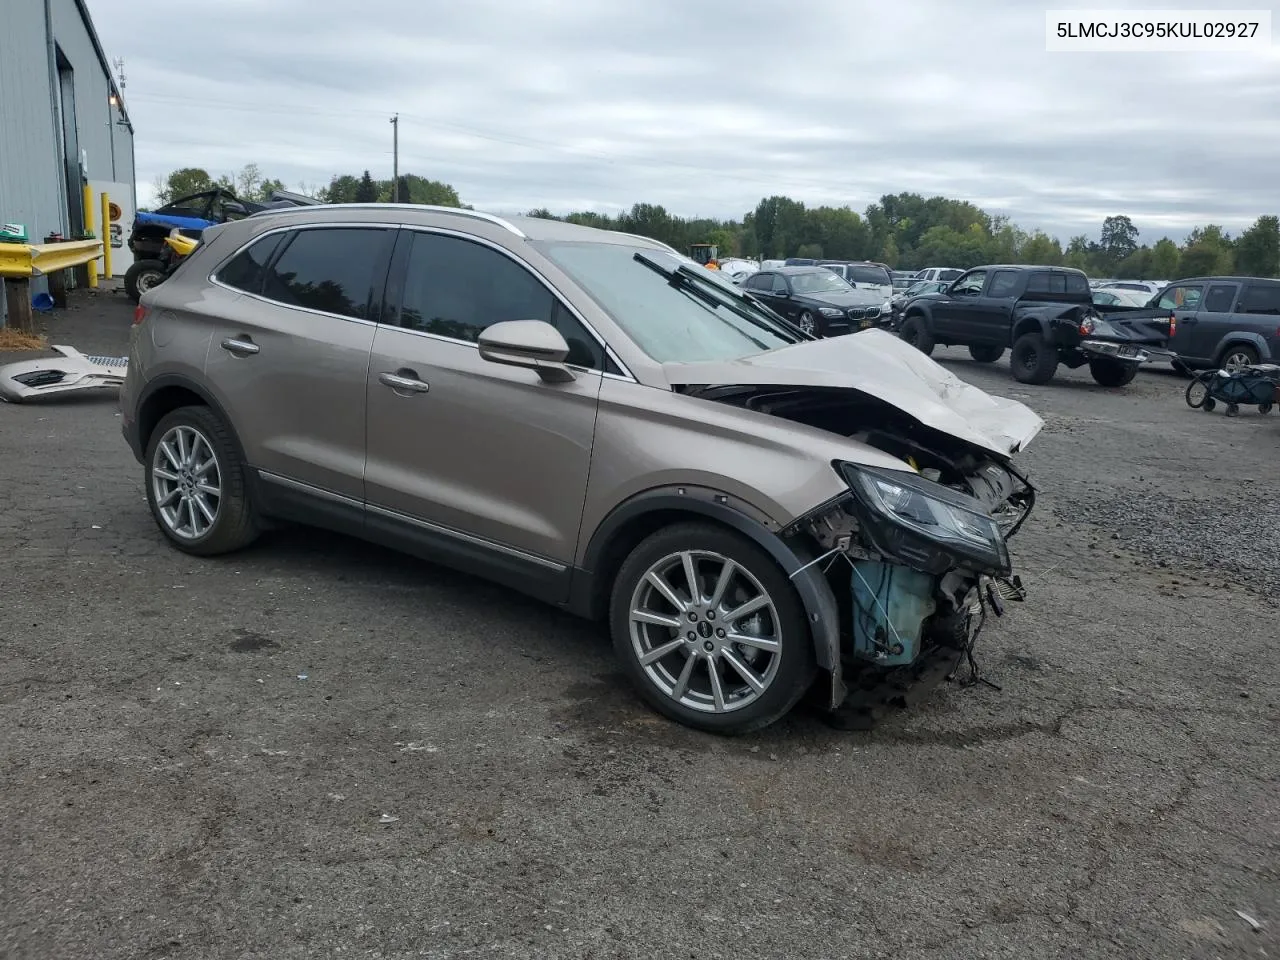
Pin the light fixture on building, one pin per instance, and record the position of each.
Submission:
(113, 100)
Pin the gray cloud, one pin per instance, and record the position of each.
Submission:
(704, 108)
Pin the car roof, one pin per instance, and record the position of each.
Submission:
(800, 268)
(1263, 280)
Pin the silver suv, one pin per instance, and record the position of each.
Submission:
(590, 418)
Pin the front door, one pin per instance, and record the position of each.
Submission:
(482, 461)
(957, 315)
(290, 353)
(1213, 320)
(1183, 301)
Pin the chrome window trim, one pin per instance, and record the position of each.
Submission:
(574, 312)
(398, 208)
(213, 280)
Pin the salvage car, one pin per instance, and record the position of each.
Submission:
(818, 301)
(592, 419)
(1045, 315)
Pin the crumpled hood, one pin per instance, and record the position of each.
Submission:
(882, 366)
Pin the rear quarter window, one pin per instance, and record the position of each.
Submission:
(1264, 298)
(247, 269)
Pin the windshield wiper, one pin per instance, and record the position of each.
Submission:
(740, 302)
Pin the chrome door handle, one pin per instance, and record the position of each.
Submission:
(241, 348)
(397, 381)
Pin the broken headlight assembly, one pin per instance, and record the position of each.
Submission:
(924, 524)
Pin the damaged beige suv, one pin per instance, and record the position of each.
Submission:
(591, 418)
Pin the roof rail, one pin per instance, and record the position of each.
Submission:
(639, 236)
(457, 211)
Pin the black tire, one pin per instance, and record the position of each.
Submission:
(986, 352)
(915, 331)
(234, 526)
(142, 276)
(1197, 393)
(1033, 360)
(1238, 355)
(1264, 408)
(795, 664)
(1232, 410)
(1112, 373)
(1209, 404)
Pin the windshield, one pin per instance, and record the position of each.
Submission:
(686, 318)
(878, 275)
(819, 281)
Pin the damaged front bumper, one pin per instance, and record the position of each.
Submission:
(914, 566)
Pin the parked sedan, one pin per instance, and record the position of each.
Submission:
(1112, 297)
(818, 301)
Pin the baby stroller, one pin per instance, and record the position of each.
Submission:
(1256, 384)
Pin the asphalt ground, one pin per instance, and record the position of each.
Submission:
(320, 748)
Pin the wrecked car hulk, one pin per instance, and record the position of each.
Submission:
(593, 419)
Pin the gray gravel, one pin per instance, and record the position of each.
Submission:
(464, 773)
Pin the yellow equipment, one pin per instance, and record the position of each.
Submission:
(707, 254)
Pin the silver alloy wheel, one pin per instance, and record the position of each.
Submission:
(186, 482)
(705, 631)
(806, 323)
(148, 279)
(1236, 361)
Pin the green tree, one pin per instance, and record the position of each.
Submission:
(812, 251)
(366, 190)
(341, 189)
(1042, 249)
(889, 252)
(1164, 260)
(1258, 249)
(1207, 252)
(182, 183)
(1119, 238)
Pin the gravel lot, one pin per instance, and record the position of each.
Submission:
(198, 757)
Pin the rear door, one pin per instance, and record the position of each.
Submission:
(1183, 301)
(1213, 320)
(483, 462)
(1258, 311)
(289, 357)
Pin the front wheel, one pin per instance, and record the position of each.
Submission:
(195, 484)
(142, 276)
(1112, 373)
(986, 352)
(1033, 359)
(915, 332)
(710, 630)
(808, 323)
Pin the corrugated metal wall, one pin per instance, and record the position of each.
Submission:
(29, 183)
(32, 181)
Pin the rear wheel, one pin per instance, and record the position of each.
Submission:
(142, 276)
(196, 484)
(710, 630)
(986, 352)
(1033, 360)
(1238, 356)
(915, 332)
(1112, 373)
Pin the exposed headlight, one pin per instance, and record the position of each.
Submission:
(924, 524)
(830, 312)
(886, 307)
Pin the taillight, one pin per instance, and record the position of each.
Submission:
(1173, 324)
(1087, 326)
(139, 314)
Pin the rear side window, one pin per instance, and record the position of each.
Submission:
(1077, 284)
(759, 281)
(1261, 299)
(248, 267)
(1048, 283)
(1219, 298)
(330, 269)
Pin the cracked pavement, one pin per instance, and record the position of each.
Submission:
(198, 756)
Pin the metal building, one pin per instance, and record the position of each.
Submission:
(63, 122)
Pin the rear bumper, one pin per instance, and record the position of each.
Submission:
(1108, 349)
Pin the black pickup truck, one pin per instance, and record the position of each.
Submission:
(1046, 315)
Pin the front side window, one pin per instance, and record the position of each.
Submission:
(247, 269)
(330, 269)
(1184, 296)
(456, 288)
(971, 285)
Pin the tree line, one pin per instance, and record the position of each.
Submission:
(907, 231)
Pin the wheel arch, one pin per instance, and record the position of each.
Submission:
(646, 513)
(1243, 338)
(167, 393)
(1031, 323)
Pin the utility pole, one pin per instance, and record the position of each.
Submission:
(395, 159)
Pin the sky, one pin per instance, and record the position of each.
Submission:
(706, 108)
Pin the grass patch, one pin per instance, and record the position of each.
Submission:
(11, 339)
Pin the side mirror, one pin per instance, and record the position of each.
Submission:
(531, 344)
